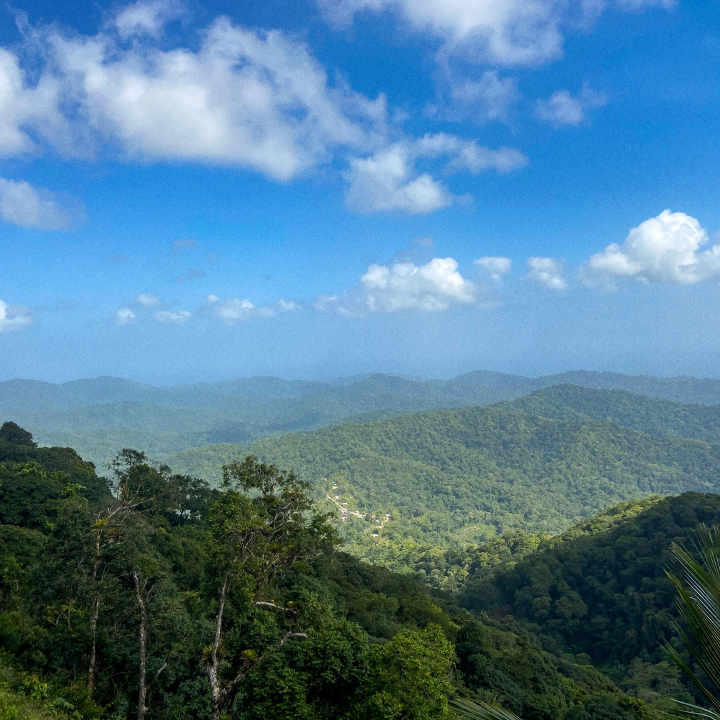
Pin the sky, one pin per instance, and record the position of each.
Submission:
(208, 190)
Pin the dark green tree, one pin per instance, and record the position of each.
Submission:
(262, 524)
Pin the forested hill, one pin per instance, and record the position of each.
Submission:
(463, 476)
(655, 416)
(605, 594)
(112, 603)
(100, 416)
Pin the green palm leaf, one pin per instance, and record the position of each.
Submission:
(480, 711)
(696, 577)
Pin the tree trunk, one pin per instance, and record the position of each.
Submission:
(93, 647)
(142, 688)
(94, 619)
(216, 694)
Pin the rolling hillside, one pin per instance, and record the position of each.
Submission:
(604, 593)
(451, 477)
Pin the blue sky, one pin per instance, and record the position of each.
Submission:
(203, 191)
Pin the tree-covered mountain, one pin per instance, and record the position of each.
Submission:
(99, 417)
(654, 416)
(453, 477)
(601, 592)
(141, 600)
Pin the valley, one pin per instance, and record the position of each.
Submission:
(522, 542)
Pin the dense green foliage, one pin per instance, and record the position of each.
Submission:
(105, 585)
(449, 478)
(32, 479)
(661, 418)
(603, 593)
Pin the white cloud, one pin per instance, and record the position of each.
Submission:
(23, 106)
(230, 310)
(146, 18)
(147, 300)
(435, 286)
(36, 208)
(174, 318)
(547, 271)
(124, 316)
(13, 318)
(288, 306)
(564, 109)
(242, 98)
(250, 99)
(502, 32)
(235, 310)
(496, 267)
(489, 98)
(664, 249)
(389, 180)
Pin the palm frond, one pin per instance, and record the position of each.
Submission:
(697, 583)
(481, 711)
(692, 710)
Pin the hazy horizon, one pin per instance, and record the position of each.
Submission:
(330, 378)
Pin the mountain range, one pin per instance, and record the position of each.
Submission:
(100, 416)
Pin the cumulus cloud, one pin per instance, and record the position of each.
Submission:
(124, 316)
(495, 267)
(435, 286)
(36, 208)
(503, 32)
(13, 318)
(173, 318)
(238, 97)
(249, 99)
(390, 181)
(564, 109)
(229, 310)
(23, 106)
(147, 300)
(547, 271)
(664, 249)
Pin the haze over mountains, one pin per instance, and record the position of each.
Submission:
(100, 416)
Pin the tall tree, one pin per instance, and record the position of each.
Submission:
(262, 523)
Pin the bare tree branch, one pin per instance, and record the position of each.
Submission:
(273, 606)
